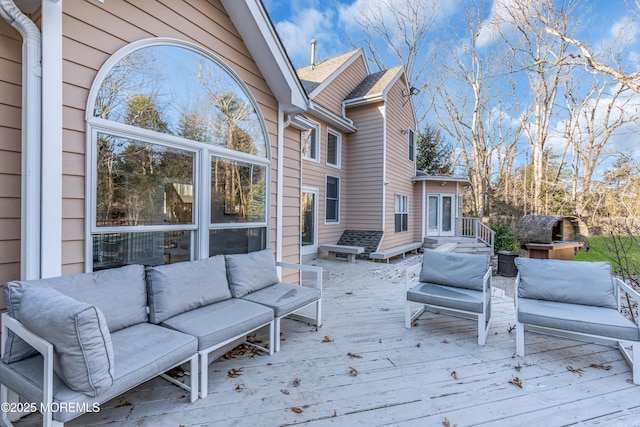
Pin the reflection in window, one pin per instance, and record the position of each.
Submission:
(140, 183)
(178, 91)
(236, 240)
(332, 209)
(310, 144)
(401, 213)
(238, 191)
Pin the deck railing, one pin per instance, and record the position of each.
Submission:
(473, 227)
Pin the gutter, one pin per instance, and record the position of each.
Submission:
(31, 190)
(343, 123)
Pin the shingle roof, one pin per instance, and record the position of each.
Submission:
(374, 84)
(312, 76)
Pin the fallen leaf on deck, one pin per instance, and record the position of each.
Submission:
(516, 381)
(357, 356)
(240, 387)
(335, 414)
(517, 367)
(445, 341)
(511, 328)
(297, 410)
(454, 374)
(418, 345)
(125, 403)
(578, 371)
(605, 367)
(353, 371)
(327, 339)
(234, 373)
(296, 382)
(384, 309)
(447, 423)
(284, 391)
(348, 293)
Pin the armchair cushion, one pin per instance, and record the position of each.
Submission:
(177, 288)
(120, 293)
(79, 334)
(251, 272)
(284, 298)
(444, 296)
(585, 283)
(454, 269)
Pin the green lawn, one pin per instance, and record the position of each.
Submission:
(601, 249)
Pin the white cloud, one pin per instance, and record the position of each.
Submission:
(297, 34)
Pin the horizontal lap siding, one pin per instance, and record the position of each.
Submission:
(400, 169)
(10, 152)
(364, 165)
(291, 202)
(332, 96)
(92, 32)
(315, 175)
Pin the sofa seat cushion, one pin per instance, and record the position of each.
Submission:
(219, 322)
(446, 296)
(120, 293)
(78, 331)
(454, 269)
(284, 298)
(176, 288)
(601, 321)
(251, 272)
(574, 282)
(141, 352)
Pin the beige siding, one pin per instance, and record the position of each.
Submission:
(315, 176)
(400, 169)
(291, 202)
(331, 97)
(93, 32)
(364, 166)
(10, 152)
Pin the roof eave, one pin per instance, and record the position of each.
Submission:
(260, 37)
(440, 178)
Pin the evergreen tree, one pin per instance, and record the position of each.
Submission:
(434, 154)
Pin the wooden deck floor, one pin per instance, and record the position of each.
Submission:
(371, 371)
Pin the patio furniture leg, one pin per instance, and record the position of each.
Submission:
(276, 334)
(635, 368)
(519, 339)
(204, 375)
(482, 329)
(193, 366)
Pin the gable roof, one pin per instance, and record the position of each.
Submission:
(317, 76)
(375, 85)
(264, 44)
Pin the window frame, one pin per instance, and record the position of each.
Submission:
(328, 221)
(401, 207)
(338, 135)
(313, 127)
(203, 153)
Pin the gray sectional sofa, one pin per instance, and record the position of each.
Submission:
(84, 339)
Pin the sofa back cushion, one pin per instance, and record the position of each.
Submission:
(454, 269)
(119, 293)
(78, 331)
(251, 272)
(177, 288)
(586, 283)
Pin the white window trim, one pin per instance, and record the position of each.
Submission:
(396, 212)
(326, 222)
(338, 135)
(317, 128)
(203, 152)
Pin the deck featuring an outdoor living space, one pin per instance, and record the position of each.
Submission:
(364, 368)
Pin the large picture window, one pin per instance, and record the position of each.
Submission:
(179, 159)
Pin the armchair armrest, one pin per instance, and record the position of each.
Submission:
(43, 347)
(410, 272)
(302, 267)
(486, 280)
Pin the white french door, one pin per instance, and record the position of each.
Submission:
(440, 215)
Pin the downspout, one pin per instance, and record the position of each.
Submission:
(280, 186)
(31, 132)
(384, 172)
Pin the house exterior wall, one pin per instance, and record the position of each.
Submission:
(10, 151)
(331, 97)
(314, 175)
(92, 33)
(400, 170)
(364, 168)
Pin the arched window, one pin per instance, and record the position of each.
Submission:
(178, 158)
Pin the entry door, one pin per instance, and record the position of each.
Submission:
(440, 215)
(309, 223)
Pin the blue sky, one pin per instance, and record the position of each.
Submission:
(332, 24)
